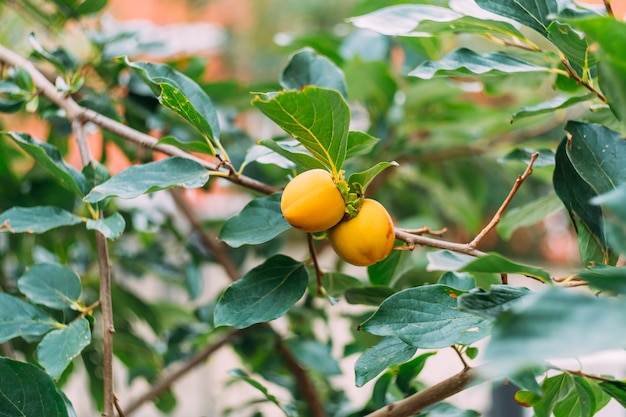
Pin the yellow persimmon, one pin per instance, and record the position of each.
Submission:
(366, 238)
(312, 202)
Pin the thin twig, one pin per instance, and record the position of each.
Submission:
(590, 376)
(118, 407)
(457, 350)
(89, 309)
(166, 382)
(609, 9)
(496, 218)
(586, 84)
(425, 230)
(319, 274)
(432, 395)
(437, 243)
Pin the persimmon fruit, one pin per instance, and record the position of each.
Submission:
(312, 202)
(366, 238)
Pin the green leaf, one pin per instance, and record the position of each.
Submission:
(605, 278)
(490, 304)
(446, 260)
(242, 375)
(36, 219)
(90, 7)
(111, 227)
(463, 61)
(403, 19)
(12, 97)
(555, 389)
(360, 143)
(447, 410)
(373, 361)
(461, 281)
(296, 154)
(365, 177)
(546, 326)
(372, 296)
(18, 318)
(52, 285)
(585, 399)
(307, 68)
(607, 35)
(528, 215)
(263, 294)
(407, 372)
(51, 159)
(260, 221)
(572, 45)
(153, 176)
(59, 347)
(27, 391)
(496, 263)
(183, 96)
(545, 158)
(317, 117)
(555, 103)
(390, 268)
(614, 210)
(537, 14)
(337, 283)
(426, 317)
(597, 153)
(314, 356)
(616, 389)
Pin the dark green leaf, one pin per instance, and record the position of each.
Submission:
(317, 117)
(27, 391)
(306, 67)
(296, 154)
(153, 176)
(90, 7)
(389, 351)
(50, 158)
(556, 103)
(461, 281)
(372, 296)
(573, 46)
(189, 143)
(614, 209)
(336, 283)
(545, 158)
(111, 227)
(464, 61)
(605, 278)
(408, 371)
(390, 268)
(61, 60)
(426, 317)
(490, 304)
(36, 219)
(12, 97)
(536, 14)
(260, 221)
(496, 263)
(18, 318)
(445, 260)
(616, 389)
(447, 410)
(51, 285)
(547, 326)
(59, 347)
(263, 294)
(528, 215)
(365, 178)
(182, 95)
(314, 356)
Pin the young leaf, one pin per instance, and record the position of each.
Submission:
(365, 178)
(493, 262)
(263, 294)
(183, 96)
(27, 391)
(360, 143)
(52, 285)
(258, 222)
(555, 389)
(18, 318)
(111, 227)
(51, 159)
(306, 67)
(59, 347)
(547, 326)
(318, 118)
(36, 219)
(389, 351)
(490, 304)
(585, 399)
(153, 176)
(426, 317)
(464, 61)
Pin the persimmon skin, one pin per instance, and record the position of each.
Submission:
(311, 202)
(365, 239)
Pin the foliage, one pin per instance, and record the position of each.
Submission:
(432, 108)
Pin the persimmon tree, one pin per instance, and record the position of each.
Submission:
(465, 120)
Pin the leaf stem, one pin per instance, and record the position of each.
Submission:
(608, 7)
(318, 271)
(498, 216)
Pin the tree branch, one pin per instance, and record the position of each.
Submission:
(167, 381)
(432, 395)
(436, 243)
